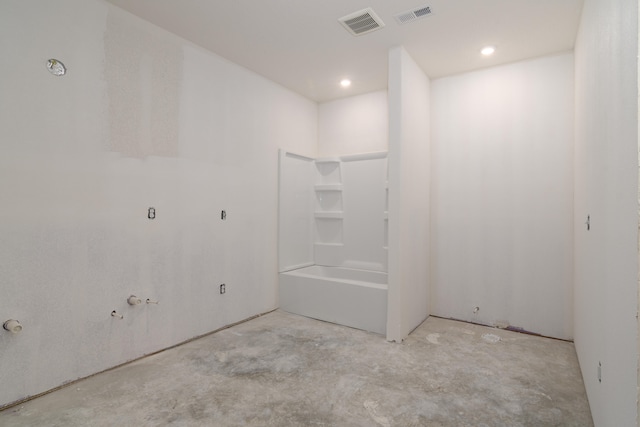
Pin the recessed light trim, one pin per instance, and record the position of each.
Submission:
(488, 50)
(345, 83)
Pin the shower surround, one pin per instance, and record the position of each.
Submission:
(333, 238)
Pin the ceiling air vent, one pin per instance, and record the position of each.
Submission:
(414, 14)
(362, 22)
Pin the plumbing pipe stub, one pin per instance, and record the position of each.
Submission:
(134, 300)
(12, 326)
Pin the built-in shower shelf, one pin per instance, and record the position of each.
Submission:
(329, 187)
(329, 215)
(329, 173)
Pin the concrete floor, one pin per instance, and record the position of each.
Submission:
(286, 370)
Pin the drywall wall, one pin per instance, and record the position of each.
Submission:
(142, 119)
(606, 195)
(354, 125)
(502, 237)
(409, 168)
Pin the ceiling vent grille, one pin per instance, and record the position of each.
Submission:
(362, 22)
(413, 15)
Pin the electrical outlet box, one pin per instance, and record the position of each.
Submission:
(223, 288)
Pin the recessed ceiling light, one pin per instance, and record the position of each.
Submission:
(488, 50)
(345, 83)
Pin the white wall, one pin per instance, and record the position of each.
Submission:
(409, 168)
(606, 189)
(295, 213)
(358, 124)
(502, 237)
(364, 199)
(142, 119)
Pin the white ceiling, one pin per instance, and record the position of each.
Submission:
(301, 45)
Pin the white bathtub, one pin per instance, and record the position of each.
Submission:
(355, 298)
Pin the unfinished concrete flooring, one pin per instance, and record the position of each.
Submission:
(286, 370)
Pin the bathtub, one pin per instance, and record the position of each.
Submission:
(346, 296)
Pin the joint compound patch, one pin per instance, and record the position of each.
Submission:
(433, 338)
(372, 408)
(491, 338)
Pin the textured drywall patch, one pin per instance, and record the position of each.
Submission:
(143, 76)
